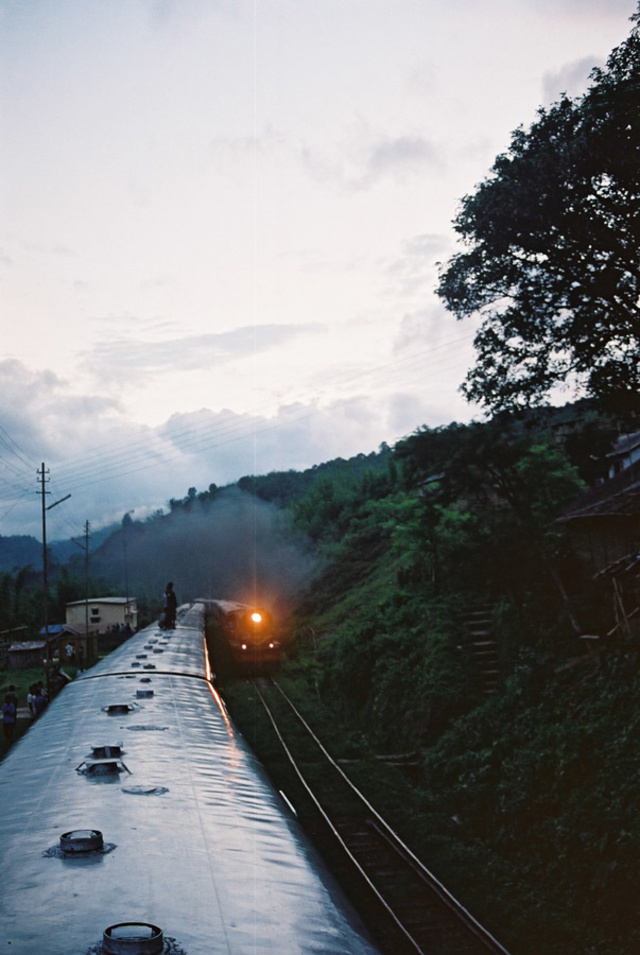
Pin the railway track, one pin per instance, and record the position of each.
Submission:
(414, 912)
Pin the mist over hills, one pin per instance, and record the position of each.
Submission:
(234, 542)
(23, 550)
(227, 544)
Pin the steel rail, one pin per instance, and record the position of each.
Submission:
(409, 938)
(491, 943)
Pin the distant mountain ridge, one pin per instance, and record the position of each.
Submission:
(22, 550)
(19, 551)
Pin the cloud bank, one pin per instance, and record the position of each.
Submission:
(111, 465)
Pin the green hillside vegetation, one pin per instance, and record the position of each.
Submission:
(283, 487)
(210, 541)
(524, 801)
(523, 796)
(22, 599)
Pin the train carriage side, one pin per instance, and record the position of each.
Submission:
(194, 838)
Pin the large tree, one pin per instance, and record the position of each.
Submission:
(551, 250)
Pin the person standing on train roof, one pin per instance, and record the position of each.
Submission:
(170, 607)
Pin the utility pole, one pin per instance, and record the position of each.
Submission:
(44, 480)
(86, 585)
(85, 548)
(125, 521)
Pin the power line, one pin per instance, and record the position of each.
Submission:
(160, 449)
(195, 437)
(15, 448)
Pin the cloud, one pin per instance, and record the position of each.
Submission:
(401, 156)
(111, 465)
(572, 79)
(413, 269)
(416, 328)
(124, 356)
(603, 8)
(40, 409)
(433, 328)
(235, 156)
(366, 159)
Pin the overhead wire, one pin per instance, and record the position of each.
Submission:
(194, 437)
(9, 442)
(163, 447)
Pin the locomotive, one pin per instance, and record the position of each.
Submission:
(247, 643)
(135, 820)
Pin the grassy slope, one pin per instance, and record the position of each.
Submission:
(527, 804)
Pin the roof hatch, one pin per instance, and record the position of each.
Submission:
(132, 938)
(81, 840)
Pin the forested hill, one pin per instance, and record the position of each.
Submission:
(284, 487)
(446, 620)
(19, 551)
(23, 551)
(523, 796)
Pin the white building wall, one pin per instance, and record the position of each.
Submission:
(103, 614)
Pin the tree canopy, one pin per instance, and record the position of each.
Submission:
(551, 257)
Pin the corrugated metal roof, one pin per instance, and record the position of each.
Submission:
(618, 497)
(625, 444)
(57, 629)
(102, 600)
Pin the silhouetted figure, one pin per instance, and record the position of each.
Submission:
(9, 715)
(39, 702)
(13, 696)
(170, 608)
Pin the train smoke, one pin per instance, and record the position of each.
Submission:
(235, 547)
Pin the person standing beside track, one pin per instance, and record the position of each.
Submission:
(9, 715)
(39, 701)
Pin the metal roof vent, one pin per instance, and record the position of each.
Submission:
(132, 938)
(81, 840)
(104, 752)
(158, 650)
(143, 790)
(149, 666)
(141, 656)
(144, 694)
(107, 766)
(145, 679)
(117, 709)
(135, 663)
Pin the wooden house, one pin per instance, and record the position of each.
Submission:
(604, 533)
(604, 525)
